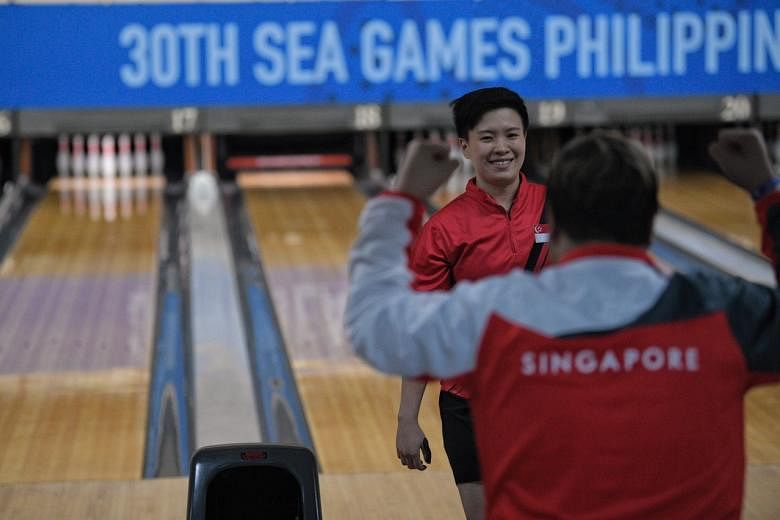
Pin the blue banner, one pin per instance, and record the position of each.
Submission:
(293, 53)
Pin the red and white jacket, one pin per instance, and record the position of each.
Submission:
(601, 387)
(474, 236)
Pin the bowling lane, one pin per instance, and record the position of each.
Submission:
(304, 231)
(712, 202)
(76, 311)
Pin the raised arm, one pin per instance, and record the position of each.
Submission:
(741, 153)
(742, 156)
(426, 167)
(755, 311)
(393, 327)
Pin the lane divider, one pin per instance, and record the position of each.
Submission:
(279, 403)
(169, 438)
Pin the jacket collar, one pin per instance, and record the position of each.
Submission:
(612, 249)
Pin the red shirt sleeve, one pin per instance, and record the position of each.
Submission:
(430, 265)
(429, 261)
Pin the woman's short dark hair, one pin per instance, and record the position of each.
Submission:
(468, 109)
(602, 186)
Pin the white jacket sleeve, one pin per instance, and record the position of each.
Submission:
(391, 326)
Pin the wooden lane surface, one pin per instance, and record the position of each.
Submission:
(304, 232)
(762, 425)
(352, 412)
(711, 201)
(303, 222)
(76, 311)
(66, 243)
(63, 426)
(354, 493)
(379, 496)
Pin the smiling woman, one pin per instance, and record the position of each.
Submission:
(495, 226)
(496, 148)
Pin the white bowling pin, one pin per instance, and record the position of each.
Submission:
(63, 157)
(93, 171)
(124, 156)
(140, 160)
(108, 169)
(108, 157)
(78, 165)
(125, 167)
(156, 155)
(141, 167)
(93, 156)
(63, 169)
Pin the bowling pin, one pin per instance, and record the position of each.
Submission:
(125, 167)
(141, 168)
(93, 172)
(375, 173)
(108, 169)
(78, 165)
(63, 169)
(156, 156)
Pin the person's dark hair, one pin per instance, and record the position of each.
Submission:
(468, 109)
(602, 186)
